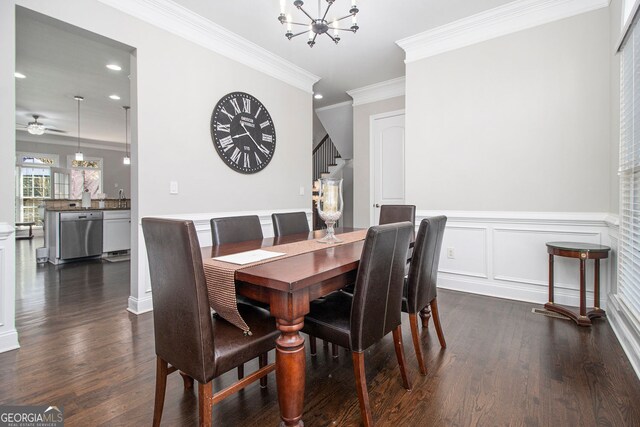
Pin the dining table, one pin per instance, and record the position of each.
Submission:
(288, 285)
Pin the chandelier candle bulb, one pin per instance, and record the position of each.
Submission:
(282, 3)
(288, 23)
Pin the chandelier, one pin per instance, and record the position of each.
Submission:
(35, 127)
(318, 26)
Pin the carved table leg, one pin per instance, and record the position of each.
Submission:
(290, 371)
(551, 278)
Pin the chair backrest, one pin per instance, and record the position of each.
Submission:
(377, 298)
(289, 223)
(423, 271)
(181, 314)
(235, 229)
(390, 214)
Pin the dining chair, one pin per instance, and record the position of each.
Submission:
(345, 319)
(236, 229)
(420, 290)
(285, 224)
(188, 338)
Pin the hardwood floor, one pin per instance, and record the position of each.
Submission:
(504, 365)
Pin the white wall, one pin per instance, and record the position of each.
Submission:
(615, 22)
(517, 123)
(178, 84)
(361, 157)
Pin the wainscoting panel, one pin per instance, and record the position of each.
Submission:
(503, 254)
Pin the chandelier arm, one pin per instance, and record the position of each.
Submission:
(342, 29)
(297, 23)
(305, 12)
(332, 38)
(324, 17)
(343, 18)
(298, 34)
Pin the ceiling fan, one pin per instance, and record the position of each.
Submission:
(37, 128)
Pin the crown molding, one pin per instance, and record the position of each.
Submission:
(378, 91)
(510, 18)
(331, 107)
(67, 142)
(184, 23)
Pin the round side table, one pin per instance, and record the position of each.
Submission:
(583, 252)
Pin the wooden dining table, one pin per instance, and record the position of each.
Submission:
(288, 285)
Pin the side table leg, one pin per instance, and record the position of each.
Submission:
(551, 278)
(290, 371)
(596, 285)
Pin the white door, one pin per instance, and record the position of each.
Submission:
(387, 134)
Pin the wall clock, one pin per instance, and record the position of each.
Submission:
(243, 132)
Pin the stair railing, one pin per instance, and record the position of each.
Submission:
(324, 155)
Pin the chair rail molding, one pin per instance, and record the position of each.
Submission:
(8, 332)
(142, 302)
(503, 254)
(500, 21)
(378, 91)
(179, 20)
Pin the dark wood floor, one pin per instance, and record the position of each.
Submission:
(504, 365)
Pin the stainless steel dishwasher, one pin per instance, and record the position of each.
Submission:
(80, 234)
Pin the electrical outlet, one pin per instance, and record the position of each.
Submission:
(173, 187)
(451, 254)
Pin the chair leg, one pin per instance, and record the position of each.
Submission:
(312, 344)
(162, 368)
(361, 387)
(241, 371)
(413, 322)
(325, 343)
(334, 350)
(397, 342)
(425, 315)
(188, 381)
(263, 360)
(436, 322)
(205, 404)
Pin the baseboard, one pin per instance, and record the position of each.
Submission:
(9, 341)
(140, 305)
(627, 331)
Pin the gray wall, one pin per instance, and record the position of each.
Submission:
(518, 123)
(615, 22)
(115, 174)
(7, 112)
(361, 158)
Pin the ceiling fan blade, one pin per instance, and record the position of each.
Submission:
(55, 130)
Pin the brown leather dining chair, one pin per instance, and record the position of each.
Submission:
(234, 229)
(187, 337)
(397, 213)
(346, 319)
(420, 291)
(285, 224)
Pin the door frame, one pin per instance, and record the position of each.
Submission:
(372, 120)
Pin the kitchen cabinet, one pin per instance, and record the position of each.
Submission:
(116, 231)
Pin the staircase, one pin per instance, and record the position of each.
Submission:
(326, 159)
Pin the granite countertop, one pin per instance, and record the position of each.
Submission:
(78, 209)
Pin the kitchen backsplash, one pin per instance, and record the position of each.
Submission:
(70, 204)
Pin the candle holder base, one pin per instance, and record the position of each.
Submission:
(330, 237)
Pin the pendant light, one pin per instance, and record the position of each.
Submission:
(126, 159)
(79, 155)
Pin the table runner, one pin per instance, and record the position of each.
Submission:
(220, 276)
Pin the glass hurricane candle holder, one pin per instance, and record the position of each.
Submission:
(330, 206)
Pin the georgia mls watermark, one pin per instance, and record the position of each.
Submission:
(31, 416)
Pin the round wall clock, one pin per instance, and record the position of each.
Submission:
(243, 132)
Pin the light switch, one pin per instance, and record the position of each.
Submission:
(302, 190)
(173, 187)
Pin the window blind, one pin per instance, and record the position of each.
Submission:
(629, 171)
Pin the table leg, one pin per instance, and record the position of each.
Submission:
(290, 371)
(551, 278)
(583, 290)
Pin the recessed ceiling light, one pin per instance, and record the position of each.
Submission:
(114, 97)
(19, 75)
(318, 96)
(114, 67)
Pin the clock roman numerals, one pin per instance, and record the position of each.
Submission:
(223, 128)
(246, 105)
(235, 157)
(247, 161)
(264, 124)
(223, 110)
(267, 138)
(226, 143)
(258, 112)
(236, 106)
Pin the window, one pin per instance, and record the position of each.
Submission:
(34, 184)
(86, 175)
(629, 171)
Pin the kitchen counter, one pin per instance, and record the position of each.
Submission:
(78, 209)
(65, 205)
